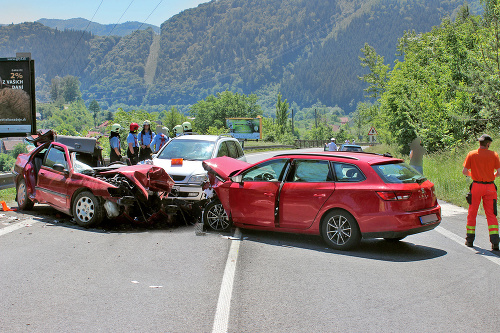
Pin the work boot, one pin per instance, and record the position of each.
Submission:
(494, 247)
(469, 240)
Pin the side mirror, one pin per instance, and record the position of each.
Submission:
(237, 179)
(59, 167)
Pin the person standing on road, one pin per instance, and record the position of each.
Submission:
(115, 154)
(160, 139)
(483, 166)
(145, 137)
(332, 146)
(133, 144)
(417, 155)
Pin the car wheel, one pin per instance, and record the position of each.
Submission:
(340, 230)
(23, 202)
(87, 210)
(215, 217)
(394, 239)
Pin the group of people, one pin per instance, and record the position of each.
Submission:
(332, 146)
(141, 145)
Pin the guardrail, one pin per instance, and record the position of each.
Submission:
(269, 147)
(6, 181)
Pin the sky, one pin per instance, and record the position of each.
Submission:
(106, 11)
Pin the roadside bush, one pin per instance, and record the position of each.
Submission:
(7, 162)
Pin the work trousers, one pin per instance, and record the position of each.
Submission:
(488, 194)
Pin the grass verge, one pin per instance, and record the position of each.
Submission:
(8, 195)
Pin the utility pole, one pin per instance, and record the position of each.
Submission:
(316, 118)
(292, 122)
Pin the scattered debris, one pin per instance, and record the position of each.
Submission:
(134, 281)
(155, 286)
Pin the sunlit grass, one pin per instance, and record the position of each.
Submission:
(8, 195)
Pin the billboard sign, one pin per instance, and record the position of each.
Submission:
(17, 97)
(245, 128)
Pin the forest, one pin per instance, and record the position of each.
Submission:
(308, 50)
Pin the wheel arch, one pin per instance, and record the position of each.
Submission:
(329, 210)
(78, 191)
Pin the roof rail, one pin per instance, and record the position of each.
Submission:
(321, 154)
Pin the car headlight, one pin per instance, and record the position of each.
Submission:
(198, 179)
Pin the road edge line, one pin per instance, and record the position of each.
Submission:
(221, 320)
(16, 226)
(461, 240)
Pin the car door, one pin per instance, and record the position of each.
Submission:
(51, 183)
(253, 201)
(308, 185)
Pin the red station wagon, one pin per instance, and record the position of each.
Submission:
(342, 196)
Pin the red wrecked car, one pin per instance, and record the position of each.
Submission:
(342, 196)
(68, 174)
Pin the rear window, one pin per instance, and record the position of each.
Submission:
(398, 173)
(195, 150)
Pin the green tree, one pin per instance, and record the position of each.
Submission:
(378, 76)
(213, 110)
(94, 109)
(282, 114)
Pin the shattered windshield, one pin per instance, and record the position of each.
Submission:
(79, 166)
(194, 150)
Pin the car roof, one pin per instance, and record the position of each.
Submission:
(200, 137)
(369, 158)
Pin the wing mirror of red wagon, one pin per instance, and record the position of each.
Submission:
(237, 179)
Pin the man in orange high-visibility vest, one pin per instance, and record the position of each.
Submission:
(483, 166)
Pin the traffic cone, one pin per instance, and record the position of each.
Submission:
(5, 208)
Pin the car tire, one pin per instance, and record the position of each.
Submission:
(87, 210)
(340, 230)
(215, 217)
(23, 202)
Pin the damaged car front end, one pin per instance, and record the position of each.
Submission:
(68, 174)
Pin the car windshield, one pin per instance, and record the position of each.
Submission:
(398, 173)
(194, 150)
(78, 166)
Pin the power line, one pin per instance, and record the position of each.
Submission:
(83, 33)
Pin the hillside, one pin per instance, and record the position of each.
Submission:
(307, 49)
(121, 29)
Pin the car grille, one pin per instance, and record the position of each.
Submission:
(176, 178)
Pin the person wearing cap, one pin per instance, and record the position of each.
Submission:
(332, 146)
(115, 154)
(483, 166)
(160, 139)
(145, 137)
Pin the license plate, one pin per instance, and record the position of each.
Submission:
(426, 219)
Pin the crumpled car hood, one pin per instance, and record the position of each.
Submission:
(146, 177)
(224, 167)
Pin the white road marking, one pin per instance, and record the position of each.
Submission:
(460, 240)
(221, 320)
(14, 227)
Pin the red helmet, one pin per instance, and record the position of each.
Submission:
(134, 127)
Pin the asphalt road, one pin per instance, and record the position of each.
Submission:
(58, 277)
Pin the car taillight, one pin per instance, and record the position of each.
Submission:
(394, 195)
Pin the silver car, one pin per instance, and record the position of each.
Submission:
(182, 159)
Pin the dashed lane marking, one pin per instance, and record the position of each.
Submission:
(17, 226)
(221, 320)
(460, 240)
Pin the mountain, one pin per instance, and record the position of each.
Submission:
(121, 29)
(306, 49)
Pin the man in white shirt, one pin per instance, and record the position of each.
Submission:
(332, 146)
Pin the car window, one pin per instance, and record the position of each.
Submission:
(312, 171)
(397, 173)
(240, 150)
(348, 173)
(55, 156)
(195, 150)
(270, 171)
(231, 146)
(223, 151)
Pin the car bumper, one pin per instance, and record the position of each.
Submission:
(401, 225)
(187, 192)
